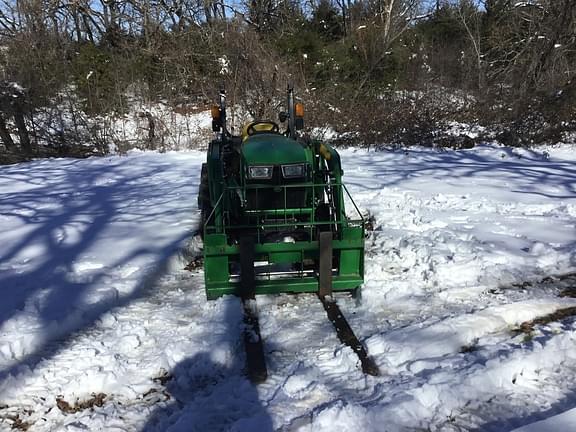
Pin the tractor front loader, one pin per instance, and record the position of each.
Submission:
(274, 221)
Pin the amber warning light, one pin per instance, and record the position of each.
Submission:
(299, 110)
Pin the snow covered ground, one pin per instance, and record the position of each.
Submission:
(102, 329)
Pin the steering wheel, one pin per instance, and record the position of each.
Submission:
(272, 127)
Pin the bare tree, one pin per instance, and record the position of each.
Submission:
(5, 134)
(532, 43)
(385, 22)
(470, 17)
(12, 100)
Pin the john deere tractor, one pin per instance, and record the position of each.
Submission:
(274, 221)
(273, 211)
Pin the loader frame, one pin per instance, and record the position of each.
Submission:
(283, 266)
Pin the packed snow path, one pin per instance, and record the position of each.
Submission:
(101, 328)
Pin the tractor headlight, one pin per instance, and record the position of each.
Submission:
(290, 171)
(260, 172)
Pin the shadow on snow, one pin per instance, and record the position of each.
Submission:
(531, 169)
(207, 396)
(65, 210)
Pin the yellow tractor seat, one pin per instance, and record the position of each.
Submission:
(261, 126)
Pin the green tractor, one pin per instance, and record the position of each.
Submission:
(285, 197)
(273, 214)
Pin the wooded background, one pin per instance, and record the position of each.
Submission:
(377, 71)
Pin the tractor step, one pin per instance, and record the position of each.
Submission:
(347, 336)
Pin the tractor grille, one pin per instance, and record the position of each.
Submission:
(274, 194)
(273, 212)
(275, 198)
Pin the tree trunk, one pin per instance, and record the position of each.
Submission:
(5, 135)
(151, 126)
(25, 145)
(77, 27)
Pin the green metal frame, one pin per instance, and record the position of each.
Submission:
(221, 255)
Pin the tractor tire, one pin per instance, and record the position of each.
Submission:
(203, 190)
(204, 199)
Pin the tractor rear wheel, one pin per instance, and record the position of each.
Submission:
(204, 198)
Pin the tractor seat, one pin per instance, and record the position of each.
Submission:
(259, 127)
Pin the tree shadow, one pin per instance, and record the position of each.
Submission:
(52, 281)
(209, 396)
(515, 422)
(530, 170)
(60, 215)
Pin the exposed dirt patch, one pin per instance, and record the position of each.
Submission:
(471, 347)
(369, 223)
(528, 326)
(14, 420)
(66, 407)
(568, 292)
(195, 264)
(156, 395)
(16, 423)
(563, 285)
(163, 378)
(149, 392)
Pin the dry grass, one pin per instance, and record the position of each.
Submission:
(559, 315)
(96, 400)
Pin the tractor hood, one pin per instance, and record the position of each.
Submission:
(272, 149)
